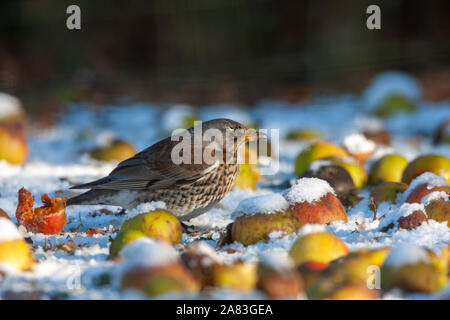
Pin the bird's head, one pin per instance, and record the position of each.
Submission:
(233, 134)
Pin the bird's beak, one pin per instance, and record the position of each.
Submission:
(252, 135)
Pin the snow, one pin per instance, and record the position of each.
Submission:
(357, 144)
(8, 231)
(146, 252)
(428, 178)
(265, 204)
(391, 82)
(436, 195)
(210, 255)
(406, 254)
(9, 105)
(405, 210)
(307, 190)
(277, 260)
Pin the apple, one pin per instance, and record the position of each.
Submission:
(387, 191)
(239, 275)
(249, 229)
(257, 217)
(434, 163)
(3, 214)
(14, 251)
(158, 280)
(419, 192)
(439, 210)
(322, 247)
(348, 270)
(314, 201)
(158, 224)
(51, 218)
(116, 150)
(199, 258)
(278, 278)
(311, 272)
(388, 168)
(154, 267)
(338, 178)
(13, 146)
(122, 239)
(248, 177)
(316, 151)
(304, 135)
(394, 104)
(354, 292)
(412, 269)
(356, 171)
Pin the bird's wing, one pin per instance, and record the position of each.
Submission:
(151, 168)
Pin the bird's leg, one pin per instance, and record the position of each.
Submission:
(122, 212)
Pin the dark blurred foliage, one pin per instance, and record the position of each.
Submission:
(207, 51)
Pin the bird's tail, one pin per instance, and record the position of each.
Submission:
(82, 199)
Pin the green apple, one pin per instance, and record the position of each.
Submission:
(159, 224)
(388, 168)
(437, 164)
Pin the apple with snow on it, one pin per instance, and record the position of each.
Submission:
(317, 151)
(277, 276)
(412, 269)
(423, 185)
(359, 147)
(314, 202)
(407, 216)
(158, 224)
(200, 258)
(154, 267)
(238, 275)
(347, 270)
(122, 239)
(387, 191)
(437, 164)
(51, 218)
(14, 251)
(257, 217)
(388, 168)
(423, 190)
(438, 208)
(319, 247)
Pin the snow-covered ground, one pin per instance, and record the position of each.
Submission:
(57, 158)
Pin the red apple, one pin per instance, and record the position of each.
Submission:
(324, 211)
(422, 190)
(48, 219)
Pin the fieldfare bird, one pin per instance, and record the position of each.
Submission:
(188, 188)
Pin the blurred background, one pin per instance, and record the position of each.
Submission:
(216, 51)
